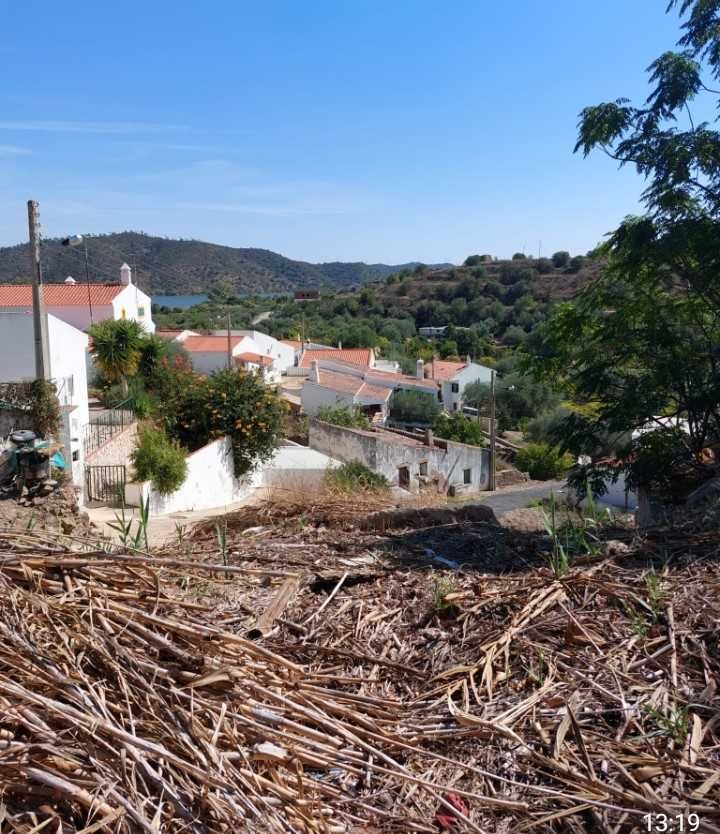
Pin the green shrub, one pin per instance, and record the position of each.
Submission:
(414, 407)
(157, 459)
(457, 427)
(196, 410)
(355, 476)
(542, 461)
(343, 415)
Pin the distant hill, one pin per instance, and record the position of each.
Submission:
(167, 266)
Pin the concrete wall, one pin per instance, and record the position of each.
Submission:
(384, 454)
(211, 482)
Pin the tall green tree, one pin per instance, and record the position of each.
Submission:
(117, 349)
(643, 342)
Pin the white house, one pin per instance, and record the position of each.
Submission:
(454, 377)
(249, 349)
(281, 354)
(66, 353)
(333, 383)
(84, 304)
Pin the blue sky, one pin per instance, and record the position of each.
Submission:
(325, 130)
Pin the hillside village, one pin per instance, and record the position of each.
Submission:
(334, 547)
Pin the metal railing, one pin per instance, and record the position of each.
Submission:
(105, 485)
(105, 424)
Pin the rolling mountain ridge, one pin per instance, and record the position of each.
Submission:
(167, 266)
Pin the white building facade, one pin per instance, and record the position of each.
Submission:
(67, 348)
(81, 304)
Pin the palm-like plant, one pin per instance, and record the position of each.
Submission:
(117, 349)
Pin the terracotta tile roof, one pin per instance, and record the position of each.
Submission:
(353, 356)
(59, 295)
(340, 382)
(255, 358)
(375, 392)
(443, 369)
(400, 379)
(209, 344)
(168, 334)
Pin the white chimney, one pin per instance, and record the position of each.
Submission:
(420, 369)
(125, 275)
(339, 345)
(468, 360)
(314, 371)
(69, 280)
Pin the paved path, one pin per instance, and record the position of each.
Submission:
(162, 529)
(517, 498)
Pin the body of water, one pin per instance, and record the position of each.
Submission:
(182, 301)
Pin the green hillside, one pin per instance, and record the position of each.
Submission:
(163, 265)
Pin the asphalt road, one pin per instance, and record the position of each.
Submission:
(508, 500)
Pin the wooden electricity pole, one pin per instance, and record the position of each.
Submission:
(229, 344)
(491, 480)
(42, 366)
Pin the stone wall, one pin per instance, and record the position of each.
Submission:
(437, 466)
(116, 450)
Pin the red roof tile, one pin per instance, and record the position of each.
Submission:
(353, 356)
(59, 295)
(255, 358)
(209, 344)
(443, 369)
(375, 392)
(340, 382)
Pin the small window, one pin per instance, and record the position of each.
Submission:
(456, 387)
(141, 312)
(403, 477)
(455, 406)
(76, 455)
(423, 467)
(467, 476)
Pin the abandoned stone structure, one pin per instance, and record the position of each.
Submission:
(407, 461)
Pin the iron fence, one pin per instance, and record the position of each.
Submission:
(105, 484)
(104, 425)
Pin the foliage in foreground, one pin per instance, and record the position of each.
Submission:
(157, 459)
(354, 477)
(643, 341)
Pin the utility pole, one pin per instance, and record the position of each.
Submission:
(491, 480)
(229, 344)
(87, 280)
(42, 366)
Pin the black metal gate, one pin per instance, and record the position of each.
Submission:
(105, 485)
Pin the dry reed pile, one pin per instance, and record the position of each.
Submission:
(396, 700)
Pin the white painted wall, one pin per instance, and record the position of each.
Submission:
(132, 303)
(78, 315)
(66, 353)
(210, 481)
(473, 372)
(314, 397)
